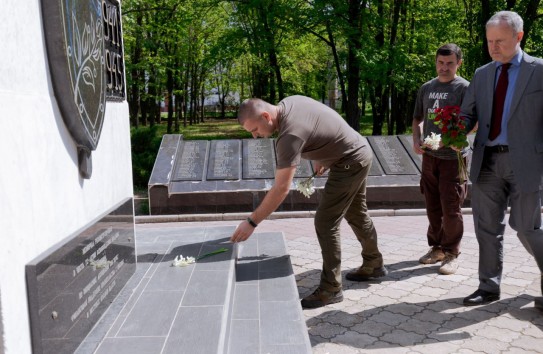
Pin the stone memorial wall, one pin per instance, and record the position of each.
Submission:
(234, 175)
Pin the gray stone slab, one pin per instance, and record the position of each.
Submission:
(224, 160)
(196, 330)
(245, 337)
(274, 267)
(116, 315)
(277, 329)
(285, 349)
(165, 159)
(189, 234)
(258, 158)
(208, 288)
(131, 345)
(152, 315)
(191, 159)
(168, 278)
(281, 311)
(392, 155)
(270, 246)
(277, 289)
(218, 233)
(216, 262)
(246, 302)
(71, 285)
(250, 247)
(247, 271)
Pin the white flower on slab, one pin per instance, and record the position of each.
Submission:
(433, 140)
(181, 261)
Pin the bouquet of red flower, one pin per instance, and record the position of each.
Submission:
(453, 133)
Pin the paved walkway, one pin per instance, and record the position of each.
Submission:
(413, 309)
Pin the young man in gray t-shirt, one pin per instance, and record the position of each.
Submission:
(444, 192)
(311, 130)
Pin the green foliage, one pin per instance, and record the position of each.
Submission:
(145, 144)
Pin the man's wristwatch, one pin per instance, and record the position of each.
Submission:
(252, 222)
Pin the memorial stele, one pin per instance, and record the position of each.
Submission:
(66, 225)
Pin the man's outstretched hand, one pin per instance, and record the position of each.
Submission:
(242, 232)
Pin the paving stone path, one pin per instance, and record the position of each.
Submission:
(413, 309)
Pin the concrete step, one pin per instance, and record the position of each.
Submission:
(244, 300)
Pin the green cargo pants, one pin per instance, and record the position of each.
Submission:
(344, 196)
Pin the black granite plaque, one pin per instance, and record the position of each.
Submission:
(224, 160)
(258, 158)
(190, 161)
(71, 285)
(407, 142)
(392, 155)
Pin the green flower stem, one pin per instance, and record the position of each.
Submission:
(220, 250)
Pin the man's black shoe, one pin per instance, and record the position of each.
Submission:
(480, 297)
(365, 273)
(321, 297)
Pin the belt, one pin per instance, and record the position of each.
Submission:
(497, 149)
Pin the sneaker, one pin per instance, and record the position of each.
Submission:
(433, 256)
(321, 297)
(366, 273)
(449, 264)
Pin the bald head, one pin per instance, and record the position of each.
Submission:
(252, 108)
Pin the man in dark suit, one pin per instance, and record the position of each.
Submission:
(506, 98)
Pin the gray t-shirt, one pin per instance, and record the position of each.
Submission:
(314, 131)
(435, 94)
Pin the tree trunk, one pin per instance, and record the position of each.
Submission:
(485, 16)
(337, 65)
(529, 18)
(169, 88)
(353, 63)
(134, 102)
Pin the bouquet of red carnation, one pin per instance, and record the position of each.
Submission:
(453, 133)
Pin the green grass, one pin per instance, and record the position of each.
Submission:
(216, 128)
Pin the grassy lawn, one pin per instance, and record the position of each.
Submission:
(216, 128)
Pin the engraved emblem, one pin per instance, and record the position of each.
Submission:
(74, 37)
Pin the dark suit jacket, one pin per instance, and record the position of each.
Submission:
(525, 125)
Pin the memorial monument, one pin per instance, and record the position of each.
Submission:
(222, 176)
(67, 226)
